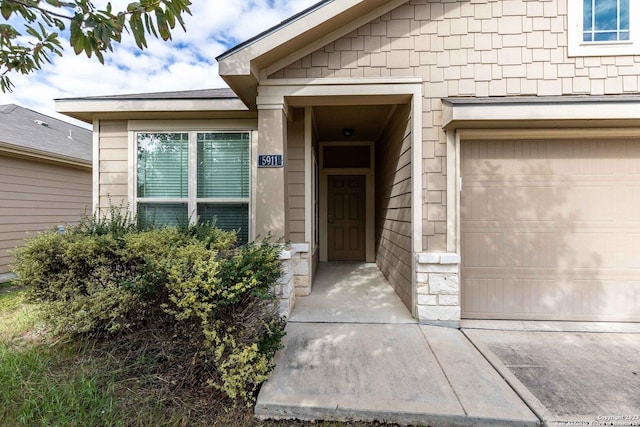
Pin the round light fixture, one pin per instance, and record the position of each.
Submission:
(348, 132)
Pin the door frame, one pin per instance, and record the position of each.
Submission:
(369, 174)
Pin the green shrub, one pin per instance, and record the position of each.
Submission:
(108, 277)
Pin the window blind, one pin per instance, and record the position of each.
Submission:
(228, 217)
(223, 165)
(161, 214)
(163, 164)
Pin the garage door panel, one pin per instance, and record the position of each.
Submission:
(551, 230)
(485, 295)
(533, 250)
(486, 204)
(533, 296)
(484, 249)
(629, 251)
(627, 202)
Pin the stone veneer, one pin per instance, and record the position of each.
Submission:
(438, 287)
(295, 279)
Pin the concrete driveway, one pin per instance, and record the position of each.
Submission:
(569, 377)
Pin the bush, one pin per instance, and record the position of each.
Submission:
(109, 277)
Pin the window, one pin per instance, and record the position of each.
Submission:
(187, 176)
(603, 27)
(605, 20)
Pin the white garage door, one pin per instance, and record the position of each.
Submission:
(551, 230)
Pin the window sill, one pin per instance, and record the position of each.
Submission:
(623, 48)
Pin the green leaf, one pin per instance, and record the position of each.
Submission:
(163, 27)
(6, 10)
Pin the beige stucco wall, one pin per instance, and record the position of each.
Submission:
(295, 176)
(113, 160)
(467, 48)
(36, 196)
(393, 204)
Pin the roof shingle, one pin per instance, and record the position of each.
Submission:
(26, 129)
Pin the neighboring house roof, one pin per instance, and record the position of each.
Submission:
(24, 131)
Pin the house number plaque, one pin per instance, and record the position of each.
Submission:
(270, 160)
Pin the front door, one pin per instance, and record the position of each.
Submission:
(346, 217)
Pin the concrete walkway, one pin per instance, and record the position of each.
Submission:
(351, 292)
(351, 353)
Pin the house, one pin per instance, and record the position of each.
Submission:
(45, 175)
(484, 153)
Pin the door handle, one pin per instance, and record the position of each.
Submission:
(330, 219)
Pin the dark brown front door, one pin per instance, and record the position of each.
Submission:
(346, 217)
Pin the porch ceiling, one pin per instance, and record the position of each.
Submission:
(367, 121)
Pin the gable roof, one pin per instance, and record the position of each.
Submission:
(244, 65)
(28, 132)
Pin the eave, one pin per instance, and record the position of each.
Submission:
(548, 112)
(88, 109)
(43, 156)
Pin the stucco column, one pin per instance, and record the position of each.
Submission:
(271, 183)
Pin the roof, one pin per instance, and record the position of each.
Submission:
(222, 93)
(29, 132)
(275, 48)
(201, 103)
(244, 65)
(273, 29)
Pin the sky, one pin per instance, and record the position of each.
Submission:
(187, 62)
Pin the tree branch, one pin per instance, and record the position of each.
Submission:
(42, 10)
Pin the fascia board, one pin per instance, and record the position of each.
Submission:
(102, 106)
(23, 152)
(85, 110)
(456, 115)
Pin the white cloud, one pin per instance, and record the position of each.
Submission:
(186, 62)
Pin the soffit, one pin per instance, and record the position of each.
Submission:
(367, 121)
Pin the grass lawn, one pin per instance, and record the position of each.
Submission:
(48, 382)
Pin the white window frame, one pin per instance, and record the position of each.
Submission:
(578, 47)
(192, 200)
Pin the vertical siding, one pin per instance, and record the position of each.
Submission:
(468, 48)
(36, 196)
(114, 163)
(393, 204)
(295, 177)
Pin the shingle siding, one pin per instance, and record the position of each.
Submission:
(468, 48)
